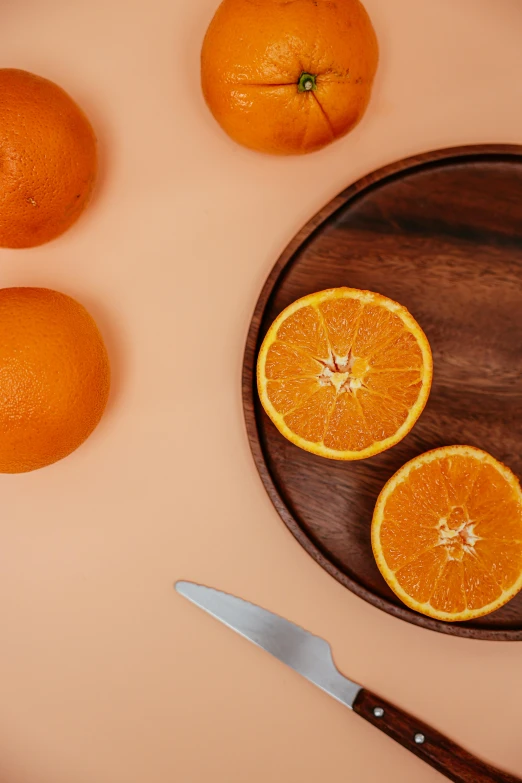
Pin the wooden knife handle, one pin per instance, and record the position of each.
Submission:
(435, 749)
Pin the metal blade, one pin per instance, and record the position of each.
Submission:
(307, 654)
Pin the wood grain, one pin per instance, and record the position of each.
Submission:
(432, 747)
(442, 234)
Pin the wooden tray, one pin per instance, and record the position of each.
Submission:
(442, 234)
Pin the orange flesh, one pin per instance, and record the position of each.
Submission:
(346, 372)
(450, 535)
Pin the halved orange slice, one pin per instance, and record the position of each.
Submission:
(344, 373)
(447, 533)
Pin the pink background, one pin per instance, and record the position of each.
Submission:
(106, 675)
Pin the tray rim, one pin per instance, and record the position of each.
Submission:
(430, 158)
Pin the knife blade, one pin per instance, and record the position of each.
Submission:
(307, 654)
(311, 657)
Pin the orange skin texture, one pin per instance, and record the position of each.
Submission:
(48, 160)
(54, 377)
(254, 54)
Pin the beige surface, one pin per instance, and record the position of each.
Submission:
(106, 676)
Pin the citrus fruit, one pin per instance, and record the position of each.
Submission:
(447, 533)
(48, 159)
(288, 77)
(344, 373)
(54, 377)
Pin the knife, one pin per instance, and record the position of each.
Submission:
(311, 657)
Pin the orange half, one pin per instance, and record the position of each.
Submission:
(344, 373)
(447, 533)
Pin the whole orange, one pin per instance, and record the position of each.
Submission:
(54, 377)
(48, 159)
(288, 76)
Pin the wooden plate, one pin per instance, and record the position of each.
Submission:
(442, 234)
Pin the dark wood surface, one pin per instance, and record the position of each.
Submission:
(436, 750)
(440, 233)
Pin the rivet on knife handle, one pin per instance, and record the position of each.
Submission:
(432, 747)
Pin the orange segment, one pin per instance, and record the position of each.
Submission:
(347, 428)
(447, 533)
(501, 523)
(401, 353)
(344, 373)
(376, 321)
(341, 318)
(305, 329)
(460, 474)
(309, 421)
(287, 361)
(290, 393)
(384, 415)
(401, 386)
(419, 578)
(449, 596)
